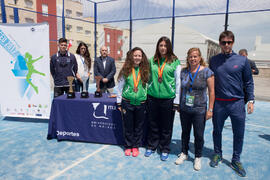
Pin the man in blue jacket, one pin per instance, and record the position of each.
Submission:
(62, 65)
(232, 74)
(104, 66)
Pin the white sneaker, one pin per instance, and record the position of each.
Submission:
(181, 159)
(197, 164)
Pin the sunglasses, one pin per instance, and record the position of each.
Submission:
(226, 42)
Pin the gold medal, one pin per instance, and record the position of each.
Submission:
(160, 79)
(135, 89)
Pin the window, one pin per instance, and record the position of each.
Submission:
(79, 29)
(29, 20)
(79, 14)
(12, 1)
(11, 17)
(109, 50)
(28, 3)
(108, 38)
(68, 12)
(87, 32)
(45, 9)
(68, 27)
(119, 39)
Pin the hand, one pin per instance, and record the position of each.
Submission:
(250, 108)
(209, 115)
(176, 107)
(120, 109)
(105, 80)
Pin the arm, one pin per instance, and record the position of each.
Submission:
(249, 86)
(177, 86)
(52, 68)
(113, 70)
(75, 66)
(119, 89)
(254, 68)
(211, 95)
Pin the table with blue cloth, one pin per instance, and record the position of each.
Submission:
(86, 119)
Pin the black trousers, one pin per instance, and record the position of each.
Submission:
(134, 117)
(58, 91)
(197, 120)
(160, 117)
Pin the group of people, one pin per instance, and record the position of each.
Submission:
(64, 64)
(152, 90)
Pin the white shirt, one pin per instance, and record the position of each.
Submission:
(82, 66)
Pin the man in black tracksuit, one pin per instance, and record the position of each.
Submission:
(62, 65)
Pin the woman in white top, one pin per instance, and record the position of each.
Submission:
(84, 65)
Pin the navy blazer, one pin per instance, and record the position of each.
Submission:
(108, 72)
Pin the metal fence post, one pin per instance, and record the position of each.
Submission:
(226, 16)
(63, 21)
(3, 10)
(95, 29)
(16, 15)
(130, 24)
(173, 23)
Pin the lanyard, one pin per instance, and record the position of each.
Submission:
(136, 80)
(82, 59)
(160, 70)
(193, 78)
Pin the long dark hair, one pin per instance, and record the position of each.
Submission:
(129, 64)
(86, 55)
(170, 55)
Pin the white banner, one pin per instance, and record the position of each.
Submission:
(24, 70)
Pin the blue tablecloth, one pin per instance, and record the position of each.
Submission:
(91, 120)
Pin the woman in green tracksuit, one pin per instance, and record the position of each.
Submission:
(131, 98)
(163, 97)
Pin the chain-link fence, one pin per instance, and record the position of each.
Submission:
(122, 24)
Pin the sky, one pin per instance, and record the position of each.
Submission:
(246, 26)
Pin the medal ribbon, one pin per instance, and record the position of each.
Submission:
(160, 70)
(193, 78)
(136, 81)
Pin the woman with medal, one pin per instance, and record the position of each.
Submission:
(163, 98)
(131, 98)
(84, 65)
(196, 78)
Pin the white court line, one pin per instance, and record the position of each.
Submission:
(258, 126)
(76, 163)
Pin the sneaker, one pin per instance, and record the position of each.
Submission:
(148, 152)
(164, 156)
(128, 152)
(238, 168)
(197, 164)
(181, 159)
(216, 159)
(135, 152)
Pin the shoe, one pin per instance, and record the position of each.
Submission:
(135, 152)
(181, 159)
(148, 152)
(215, 160)
(238, 168)
(197, 164)
(164, 156)
(128, 152)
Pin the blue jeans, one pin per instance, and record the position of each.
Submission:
(236, 111)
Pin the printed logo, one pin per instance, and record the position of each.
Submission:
(95, 105)
(23, 66)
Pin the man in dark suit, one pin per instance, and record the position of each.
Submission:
(254, 69)
(104, 66)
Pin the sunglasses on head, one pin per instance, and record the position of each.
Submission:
(226, 42)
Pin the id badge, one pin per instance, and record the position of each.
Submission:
(189, 100)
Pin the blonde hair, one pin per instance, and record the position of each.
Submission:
(202, 62)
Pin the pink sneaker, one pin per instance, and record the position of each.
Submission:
(128, 152)
(135, 152)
